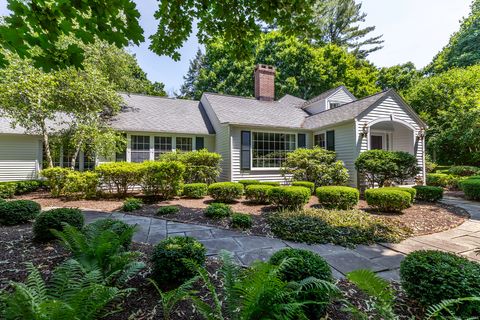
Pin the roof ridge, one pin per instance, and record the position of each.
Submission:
(232, 96)
(156, 97)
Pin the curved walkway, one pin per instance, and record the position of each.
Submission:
(382, 258)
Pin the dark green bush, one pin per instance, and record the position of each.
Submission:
(162, 178)
(225, 191)
(305, 264)
(289, 197)
(241, 220)
(168, 259)
(120, 228)
(168, 210)
(7, 190)
(247, 183)
(411, 191)
(18, 211)
(336, 197)
(345, 227)
(195, 190)
(257, 193)
(432, 276)
(387, 200)
(217, 210)
(471, 188)
(463, 171)
(306, 184)
(429, 193)
(54, 219)
(131, 204)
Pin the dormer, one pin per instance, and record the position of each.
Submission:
(330, 99)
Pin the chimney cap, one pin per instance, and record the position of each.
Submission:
(264, 67)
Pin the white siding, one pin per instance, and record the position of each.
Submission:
(321, 105)
(223, 143)
(20, 157)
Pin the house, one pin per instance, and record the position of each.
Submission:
(253, 135)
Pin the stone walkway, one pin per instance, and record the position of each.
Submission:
(382, 258)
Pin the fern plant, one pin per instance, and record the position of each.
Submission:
(103, 249)
(72, 293)
(445, 309)
(378, 289)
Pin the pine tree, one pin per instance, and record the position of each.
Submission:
(188, 89)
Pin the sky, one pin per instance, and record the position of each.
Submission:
(413, 30)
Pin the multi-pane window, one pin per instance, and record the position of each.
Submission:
(140, 148)
(333, 105)
(319, 140)
(162, 145)
(269, 150)
(183, 144)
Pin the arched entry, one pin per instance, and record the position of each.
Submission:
(391, 134)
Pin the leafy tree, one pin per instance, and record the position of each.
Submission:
(450, 103)
(303, 70)
(463, 49)
(187, 90)
(400, 77)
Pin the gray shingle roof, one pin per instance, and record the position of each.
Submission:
(342, 113)
(157, 114)
(61, 122)
(325, 95)
(250, 111)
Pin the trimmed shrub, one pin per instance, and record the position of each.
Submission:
(241, 220)
(162, 178)
(217, 210)
(336, 197)
(18, 211)
(81, 184)
(225, 191)
(411, 191)
(56, 179)
(430, 276)
(132, 204)
(305, 184)
(11, 188)
(289, 197)
(116, 226)
(54, 219)
(387, 200)
(195, 190)
(471, 188)
(429, 193)
(463, 171)
(443, 180)
(7, 190)
(247, 183)
(168, 259)
(120, 177)
(257, 193)
(344, 227)
(168, 210)
(270, 183)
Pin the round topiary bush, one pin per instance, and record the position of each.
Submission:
(217, 210)
(18, 211)
(225, 191)
(430, 276)
(163, 210)
(305, 264)
(411, 191)
(195, 190)
(306, 184)
(337, 197)
(471, 188)
(257, 193)
(241, 220)
(54, 219)
(289, 197)
(116, 226)
(429, 193)
(386, 200)
(168, 256)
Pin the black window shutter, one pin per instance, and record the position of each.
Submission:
(199, 143)
(331, 140)
(245, 150)
(301, 140)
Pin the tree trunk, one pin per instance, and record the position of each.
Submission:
(46, 144)
(76, 153)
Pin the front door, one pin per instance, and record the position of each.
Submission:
(376, 142)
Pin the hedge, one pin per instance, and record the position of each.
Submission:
(11, 188)
(18, 211)
(306, 184)
(429, 193)
(289, 197)
(257, 193)
(471, 188)
(161, 178)
(338, 197)
(56, 179)
(80, 185)
(387, 200)
(195, 190)
(247, 183)
(225, 191)
(121, 177)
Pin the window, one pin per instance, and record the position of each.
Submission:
(333, 105)
(140, 148)
(162, 145)
(270, 149)
(319, 140)
(88, 160)
(183, 144)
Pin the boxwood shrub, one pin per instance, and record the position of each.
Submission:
(217, 210)
(429, 193)
(411, 191)
(54, 219)
(163, 210)
(257, 193)
(289, 197)
(471, 188)
(464, 171)
(168, 259)
(305, 264)
(337, 197)
(18, 211)
(430, 276)
(225, 191)
(195, 190)
(306, 184)
(241, 220)
(388, 200)
(132, 204)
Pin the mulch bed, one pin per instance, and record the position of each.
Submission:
(17, 247)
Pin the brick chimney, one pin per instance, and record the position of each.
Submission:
(264, 82)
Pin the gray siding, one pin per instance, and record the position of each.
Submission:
(339, 96)
(20, 157)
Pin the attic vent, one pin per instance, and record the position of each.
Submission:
(264, 82)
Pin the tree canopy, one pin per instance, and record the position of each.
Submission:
(400, 77)
(302, 69)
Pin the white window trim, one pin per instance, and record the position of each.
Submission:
(252, 168)
(152, 143)
(383, 134)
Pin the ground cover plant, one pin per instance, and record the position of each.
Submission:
(218, 210)
(132, 204)
(241, 220)
(167, 210)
